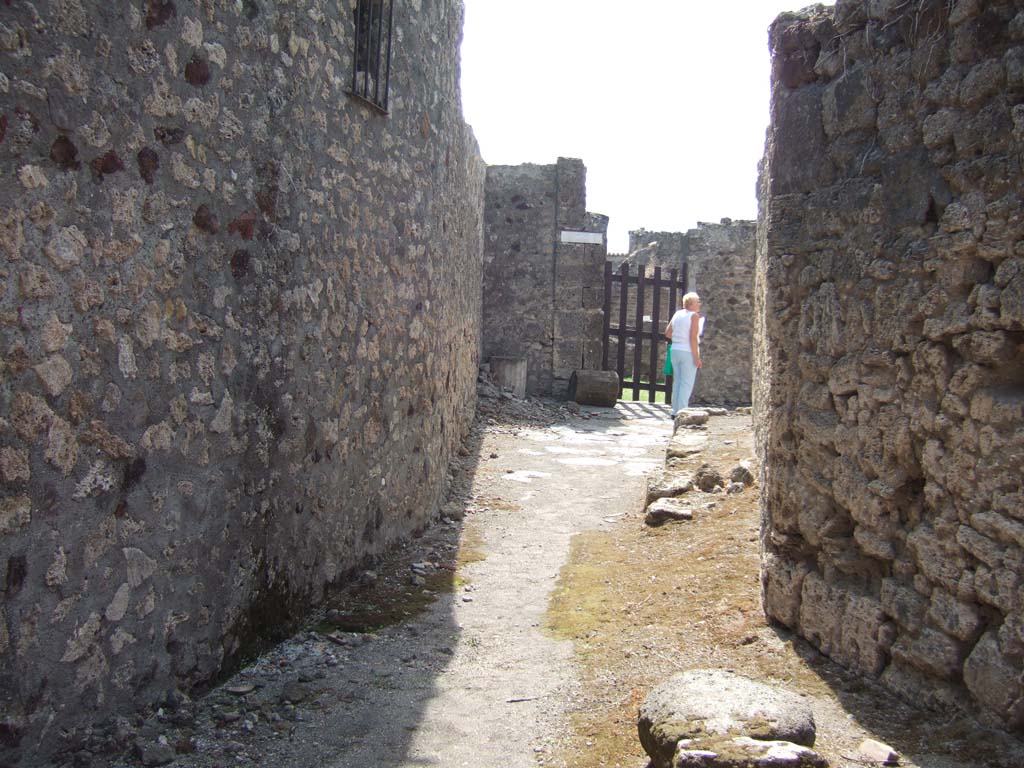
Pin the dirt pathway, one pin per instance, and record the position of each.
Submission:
(471, 677)
(526, 629)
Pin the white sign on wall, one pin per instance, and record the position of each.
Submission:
(589, 238)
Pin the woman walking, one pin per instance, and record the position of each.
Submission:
(683, 331)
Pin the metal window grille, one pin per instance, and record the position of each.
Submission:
(371, 65)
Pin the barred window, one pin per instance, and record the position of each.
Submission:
(371, 64)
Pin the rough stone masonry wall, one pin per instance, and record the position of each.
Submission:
(240, 331)
(656, 249)
(889, 358)
(721, 263)
(542, 296)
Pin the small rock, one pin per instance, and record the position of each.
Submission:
(453, 510)
(742, 474)
(241, 690)
(229, 716)
(708, 478)
(691, 417)
(735, 488)
(294, 692)
(152, 753)
(664, 510)
(494, 455)
(417, 581)
(877, 752)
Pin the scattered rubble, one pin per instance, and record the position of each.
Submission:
(498, 406)
(678, 477)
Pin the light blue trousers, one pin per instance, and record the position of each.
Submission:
(684, 372)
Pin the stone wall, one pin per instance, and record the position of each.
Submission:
(720, 259)
(542, 290)
(889, 357)
(240, 319)
(657, 249)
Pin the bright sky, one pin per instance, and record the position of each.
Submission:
(665, 101)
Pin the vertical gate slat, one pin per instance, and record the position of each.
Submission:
(638, 343)
(607, 321)
(620, 361)
(655, 333)
(672, 298)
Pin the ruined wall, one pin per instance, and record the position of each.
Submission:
(721, 260)
(656, 249)
(542, 289)
(240, 331)
(889, 359)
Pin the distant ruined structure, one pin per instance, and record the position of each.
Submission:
(889, 359)
(240, 322)
(720, 263)
(543, 272)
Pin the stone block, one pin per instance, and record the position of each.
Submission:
(859, 644)
(994, 679)
(567, 355)
(15, 513)
(914, 686)
(903, 603)
(931, 652)
(570, 325)
(821, 613)
(954, 617)
(848, 104)
(982, 547)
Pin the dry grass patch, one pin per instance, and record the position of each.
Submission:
(641, 604)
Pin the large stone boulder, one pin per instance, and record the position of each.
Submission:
(705, 708)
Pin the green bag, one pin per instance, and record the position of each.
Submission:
(668, 360)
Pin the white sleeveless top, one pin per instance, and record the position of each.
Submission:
(681, 329)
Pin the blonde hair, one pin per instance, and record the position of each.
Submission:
(689, 298)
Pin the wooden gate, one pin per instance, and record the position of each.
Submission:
(639, 299)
